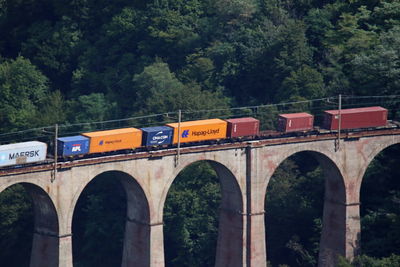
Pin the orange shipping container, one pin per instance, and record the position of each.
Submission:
(201, 130)
(111, 140)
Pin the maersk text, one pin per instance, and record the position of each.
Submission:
(28, 154)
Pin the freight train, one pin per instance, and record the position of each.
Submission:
(191, 132)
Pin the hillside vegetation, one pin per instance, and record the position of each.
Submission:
(69, 62)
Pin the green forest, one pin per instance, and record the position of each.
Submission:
(85, 65)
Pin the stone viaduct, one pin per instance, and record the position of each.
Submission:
(244, 170)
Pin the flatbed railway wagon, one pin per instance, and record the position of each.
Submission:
(197, 132)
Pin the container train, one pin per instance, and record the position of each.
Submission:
(191, 132)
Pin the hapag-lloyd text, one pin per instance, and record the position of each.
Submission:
(204, 133)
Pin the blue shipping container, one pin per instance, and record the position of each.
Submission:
(154, 136)
(72, 145)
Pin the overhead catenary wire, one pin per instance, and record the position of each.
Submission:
(48, 128)
(373, 96)
(230, 112)
(259, 106)
(25, 131)
(118, 120)
(359, 104)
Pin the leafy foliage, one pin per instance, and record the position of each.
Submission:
(86, 61)
(16, 226)
(22, 88)
(190, 214)
(294, 211)
(366, 261)
(99, 223)
(380, 195)
(158, 90)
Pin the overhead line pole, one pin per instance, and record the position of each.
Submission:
(340, 119)
(55, 153)
(179, 136)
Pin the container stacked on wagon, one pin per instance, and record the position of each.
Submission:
(188, 132)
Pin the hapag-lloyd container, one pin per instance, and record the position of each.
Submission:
(243, 127)
(111, 140)
(72, 145)
(355, 118)
(155, 136)
(200, 130)
(26, 152)
(293, 122)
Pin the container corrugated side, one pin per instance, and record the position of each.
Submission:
(295, 122)
(156, 136)
(72, 145)
(355, 118)
(243, 127)
(112, 140)
(20, 153)
(201, 130)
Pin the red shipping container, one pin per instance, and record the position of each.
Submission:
(294, 122)
(355, 118)
(243, 127)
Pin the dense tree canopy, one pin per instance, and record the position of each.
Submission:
(22, 88)
(84, 61)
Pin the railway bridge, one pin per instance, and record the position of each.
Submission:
(244, 170)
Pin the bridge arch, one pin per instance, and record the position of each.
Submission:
(377, 187)
(45, 241)
(231, 211)
(376, 149)
(231, 189)
(324, 158)
(333, 235)
(121, 174)
(136, 246)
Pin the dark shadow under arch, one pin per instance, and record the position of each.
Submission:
(332, 239)
(231, 217)
(128, 216)
(230, 222)
(45, 236)
(45, 246)
(380, 208)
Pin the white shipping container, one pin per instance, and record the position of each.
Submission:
(20, 153)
